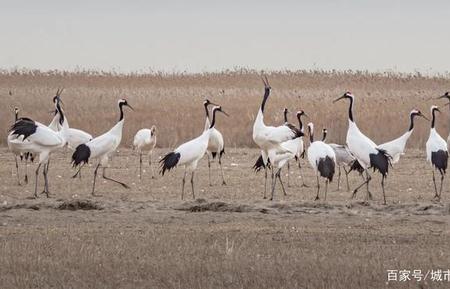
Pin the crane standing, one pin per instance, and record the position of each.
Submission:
(437, 152)
(189, 153)
(145, 139)
(101, 148)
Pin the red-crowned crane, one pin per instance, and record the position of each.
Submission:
(215, 144)
(269, 137)
(145, 140)
(437, 152)
(368, 154)
(447, 96)
(396, 147)
(322, 159)
(189, 153)
(101, 148)
(39, 139)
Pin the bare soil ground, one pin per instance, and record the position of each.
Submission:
(228, 237)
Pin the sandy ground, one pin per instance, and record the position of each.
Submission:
(228, 237)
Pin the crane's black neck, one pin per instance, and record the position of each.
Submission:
(285, 115)
(213, 122)
(311, 134)
(16, 115)
(266, 96)
(411, 121)
(433, 117)
(206, 110)
(61, 113)
(300, 124)
(324, 137)
(121, 111)
(350, 109)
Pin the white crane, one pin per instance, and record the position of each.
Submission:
(145, 139)
(368, 154)
(396, 147)
(189, 153)
(447, 96)
(40, 140)
(215, 144)
(269, 137)
(74, 137)
(15, 148)
(437, 152)
(101, 148)
(322, 159)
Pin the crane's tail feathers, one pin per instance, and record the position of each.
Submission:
(259, 165)
(23, 127)
(326, 168)
(356, 166)
(439, 160)
(213, 154)
(81, 155)
(296, 131)
(222, 152)
(169, 161)
(381, 161)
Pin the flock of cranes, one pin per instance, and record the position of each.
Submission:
(29, 140)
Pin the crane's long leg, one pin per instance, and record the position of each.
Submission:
(274, 182)
(182, 184)
(95, 178)
(265, 182)
(45, 173)
(26, 171)
(369, 194)
(365, 182)
(346, 178)
(36, 182)
(326, 188)
(436, 196)
(318, 189)
(78, 173)
(281, 182)
(17, 171)
(209, 170)
(140, 165)
(442, 181)
(382, 187)
(339, 178)
(192, 185)
(221, 171)
(289, 173)
(113, 180)
(150, 163)
(301, 175)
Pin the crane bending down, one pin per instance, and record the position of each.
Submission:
(101, 148)
(322, 159)
(145, 139)
(437, 152)
(447, 96)
(269, 137)
(189, 153)
(368, 154)
(39, 139)
(215, 144)
(396, 147)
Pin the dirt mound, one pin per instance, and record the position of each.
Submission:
(204, 206)
(73, 205)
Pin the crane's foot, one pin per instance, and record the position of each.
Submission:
(436, 198)
(353, 194)
(304, 185)
(47, 193)
(96, 195)
(224, 183)
(26, 179)
(316, 198)
(370, 195)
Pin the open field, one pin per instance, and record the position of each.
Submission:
(229, 237)
(173, 102)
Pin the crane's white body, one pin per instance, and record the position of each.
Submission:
(215, 148)
(360, 145)
(145, 140)
(435, 143)
(318, 150)
(192, 151)
(74, 137)
(396, 147)
(343, 155)
(103, 146)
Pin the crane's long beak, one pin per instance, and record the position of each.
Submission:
(130, 107)
(337, 99)
(442, 96)
(424, 117)
(448, 103)
(307, 116)
(224, 112)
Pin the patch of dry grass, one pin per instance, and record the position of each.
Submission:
(173, 101)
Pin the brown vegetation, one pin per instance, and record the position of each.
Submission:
(173, 101)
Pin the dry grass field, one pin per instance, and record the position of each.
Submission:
(228, 237)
